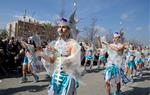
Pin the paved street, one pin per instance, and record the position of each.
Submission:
(92, 84)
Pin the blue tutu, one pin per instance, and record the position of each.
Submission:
(102, 58)
(116, 73)
(138, 61)
(89, 57)
(131, 65)
(62, 84)
(111, 72)
(25, 60)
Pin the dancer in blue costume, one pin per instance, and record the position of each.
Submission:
(102, 57)
(89, 56)
(130, 63)
(29, 61)
(139, 61)
(66, 59)
(146, 57)
(113, 71)
(130, 67)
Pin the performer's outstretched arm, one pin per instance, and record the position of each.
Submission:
(118, 48)
(49, 58)
(74, 52)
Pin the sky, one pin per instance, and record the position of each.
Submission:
(110, 15)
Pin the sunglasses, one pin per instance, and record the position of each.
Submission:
(63, 27)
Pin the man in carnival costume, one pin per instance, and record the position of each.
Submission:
(30, 60)
(89, 56)
(113, 67)
(130, 66)
(66, 59)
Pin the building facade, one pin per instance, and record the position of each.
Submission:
(26, 29)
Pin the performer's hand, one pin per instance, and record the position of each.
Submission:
(50, 48)
(39, 53)
(125, 45)
(104, 43)
(39, 49)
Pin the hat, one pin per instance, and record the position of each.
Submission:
(63, 21)
(116, 34)
(35, 39)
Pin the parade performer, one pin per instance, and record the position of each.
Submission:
(102, 59)
(130, 63)
(66, 60)
(145, 57)
(113, 71)
(89, 56)
(139, 61)
(30, 60)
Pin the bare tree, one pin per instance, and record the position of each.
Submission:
(135, 42)
(90, 32)
(3, 33)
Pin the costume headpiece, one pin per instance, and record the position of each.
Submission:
(63, 21)
(116, 34)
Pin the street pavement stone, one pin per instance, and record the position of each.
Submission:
(92, 83)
